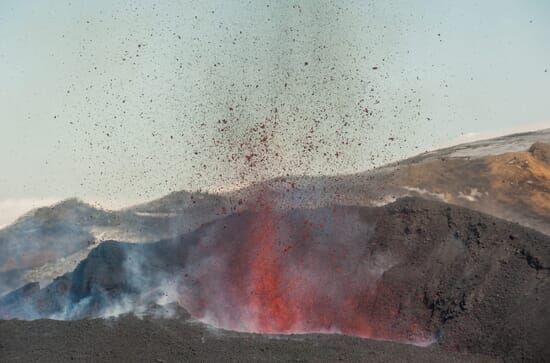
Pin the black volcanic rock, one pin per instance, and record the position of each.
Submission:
(132, 339)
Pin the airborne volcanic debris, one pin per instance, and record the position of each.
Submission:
(245, 192)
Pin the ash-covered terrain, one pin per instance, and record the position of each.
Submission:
(442, 257)
(150, 339)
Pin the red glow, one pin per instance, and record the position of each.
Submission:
(267, 295)
(278, 274)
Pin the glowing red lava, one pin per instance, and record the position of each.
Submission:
(267, 271)
(273, 311)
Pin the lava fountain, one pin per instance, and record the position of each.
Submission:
(273, 271)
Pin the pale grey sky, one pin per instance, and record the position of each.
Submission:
(123, 101)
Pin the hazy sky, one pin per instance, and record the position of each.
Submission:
(124, 101)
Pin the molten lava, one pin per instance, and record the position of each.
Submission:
(272, 309)
(267, 271)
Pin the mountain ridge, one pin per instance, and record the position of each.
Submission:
(514, 185)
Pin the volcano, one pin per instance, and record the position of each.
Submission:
(447, 252)
(507, 177)
(303, 271)
(414, 271)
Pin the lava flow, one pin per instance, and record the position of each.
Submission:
(269, 271)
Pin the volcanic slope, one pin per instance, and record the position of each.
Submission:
(52, 240)
(508, 177)
(414, 271)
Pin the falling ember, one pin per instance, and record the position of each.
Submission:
(303, 272)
